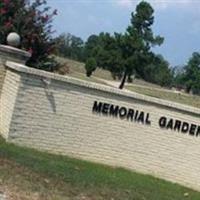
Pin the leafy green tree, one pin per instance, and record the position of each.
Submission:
(70, 46)
(128, 53)
(138, 40)
(32, 20)
(90, 66)
(192, 73)
(104, 49)
(109, 55)
(158, 71)
(92, 46)
(178, 73)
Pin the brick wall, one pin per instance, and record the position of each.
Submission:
(58, 118)
(2, 75)
(7, 101)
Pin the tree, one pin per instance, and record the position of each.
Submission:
(178, 80)
(138, 40)
(92, 46)
(106, 52)
(90, 66)
(128, 53)
(32, 21)
(158, 71)
(192, 73)
(70, 46)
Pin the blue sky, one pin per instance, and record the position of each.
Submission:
(178, 21)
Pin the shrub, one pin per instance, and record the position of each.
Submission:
(90, 66)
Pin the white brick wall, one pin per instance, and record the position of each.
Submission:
(2, 75)
(59, 119)
(7, 101)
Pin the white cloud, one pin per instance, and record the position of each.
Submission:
(125, 3)
(164, 4)
(157, 4)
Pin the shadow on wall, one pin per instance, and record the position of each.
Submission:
(51, 99)
(48, 93)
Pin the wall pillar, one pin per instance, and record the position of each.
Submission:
(8, 53)
(13, 54)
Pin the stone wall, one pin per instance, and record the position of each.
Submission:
(57, 114)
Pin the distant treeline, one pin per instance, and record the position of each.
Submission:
(130, 54)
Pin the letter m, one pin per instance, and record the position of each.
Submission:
(114, 110)
(97, 107)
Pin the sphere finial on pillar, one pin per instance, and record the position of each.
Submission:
(13, 39)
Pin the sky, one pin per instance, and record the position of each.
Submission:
(178, 21)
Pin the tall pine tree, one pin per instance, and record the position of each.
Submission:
(137, 41)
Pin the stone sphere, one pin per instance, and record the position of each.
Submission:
(13, 39)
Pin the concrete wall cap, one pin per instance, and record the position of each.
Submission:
(151, 100)
(15, 51)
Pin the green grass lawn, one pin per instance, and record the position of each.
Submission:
(191, 100)
(30, 173)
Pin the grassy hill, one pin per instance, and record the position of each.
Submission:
(77, 70)
(174, 96)
(27, 174)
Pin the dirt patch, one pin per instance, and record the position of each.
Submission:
(20, 183)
